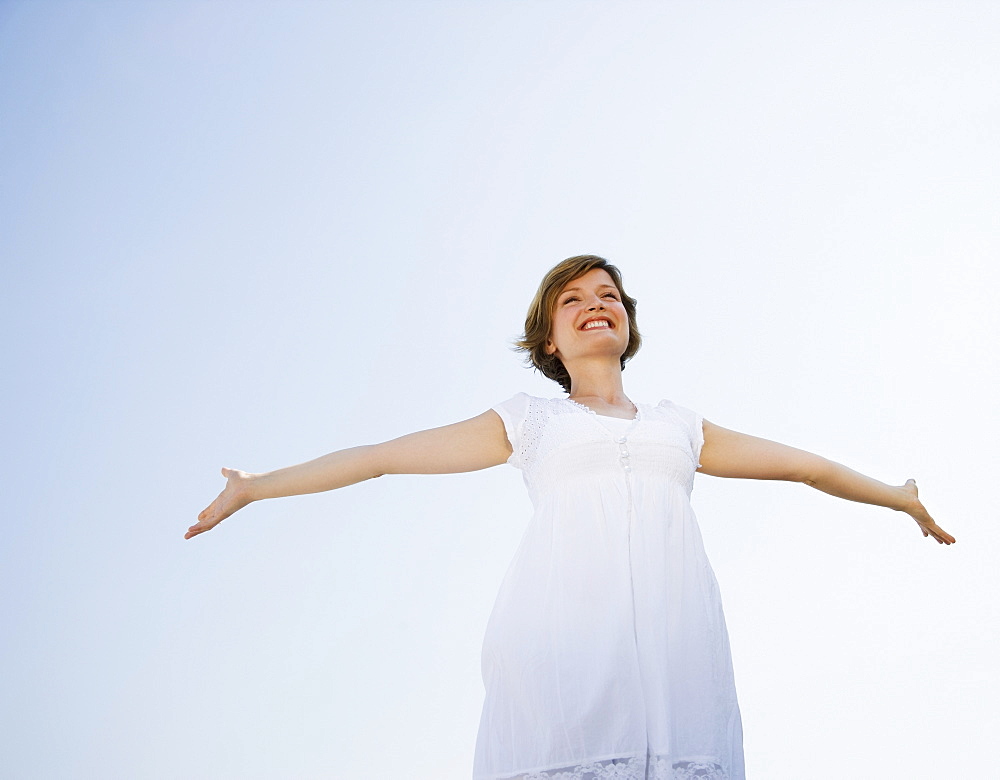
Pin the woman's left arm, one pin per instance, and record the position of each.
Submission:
(730, 454)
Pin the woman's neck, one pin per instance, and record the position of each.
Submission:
(598, 381)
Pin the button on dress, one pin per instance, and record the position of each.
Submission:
(606, 656)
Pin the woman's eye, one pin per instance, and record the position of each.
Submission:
(571, 299)
(612, 296)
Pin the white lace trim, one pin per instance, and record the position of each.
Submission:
(585, 408)
(634, 768)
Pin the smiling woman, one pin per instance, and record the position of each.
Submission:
(538, 324)
(606, 656)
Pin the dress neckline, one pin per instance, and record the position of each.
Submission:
(588, 410)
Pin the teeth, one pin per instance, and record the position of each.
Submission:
(597, 324)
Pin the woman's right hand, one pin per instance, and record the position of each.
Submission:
(234, 496)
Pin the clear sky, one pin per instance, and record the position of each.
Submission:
(249, 233)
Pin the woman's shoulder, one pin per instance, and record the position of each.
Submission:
(667, 404)
(526, 399)
(668, 409)
(518, 405)
(519, 400)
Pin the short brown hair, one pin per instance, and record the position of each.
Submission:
(538, 323)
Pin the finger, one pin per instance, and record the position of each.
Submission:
(206, 522)
(198, 528)
(943, 535)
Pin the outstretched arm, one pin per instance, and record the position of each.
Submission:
(730, 454)
(471, 445)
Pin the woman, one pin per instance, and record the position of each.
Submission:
(606, 655)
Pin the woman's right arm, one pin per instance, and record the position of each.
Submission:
(470, 445)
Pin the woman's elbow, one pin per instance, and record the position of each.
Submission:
(813, 470)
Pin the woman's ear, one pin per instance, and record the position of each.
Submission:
(550, 348)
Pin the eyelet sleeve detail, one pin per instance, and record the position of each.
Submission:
(513, 412)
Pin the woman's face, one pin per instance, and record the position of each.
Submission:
(589, 319)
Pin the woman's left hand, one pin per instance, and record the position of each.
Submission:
(927, 525)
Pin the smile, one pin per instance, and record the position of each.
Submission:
(596, 324)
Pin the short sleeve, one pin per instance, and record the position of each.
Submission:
(693, 424)
(513, 412)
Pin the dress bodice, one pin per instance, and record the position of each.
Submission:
(559, 444)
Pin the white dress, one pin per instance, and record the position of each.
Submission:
(606, 656)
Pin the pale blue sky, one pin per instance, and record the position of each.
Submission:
(246, 234)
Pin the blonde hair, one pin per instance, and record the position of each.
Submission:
(538, 323)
